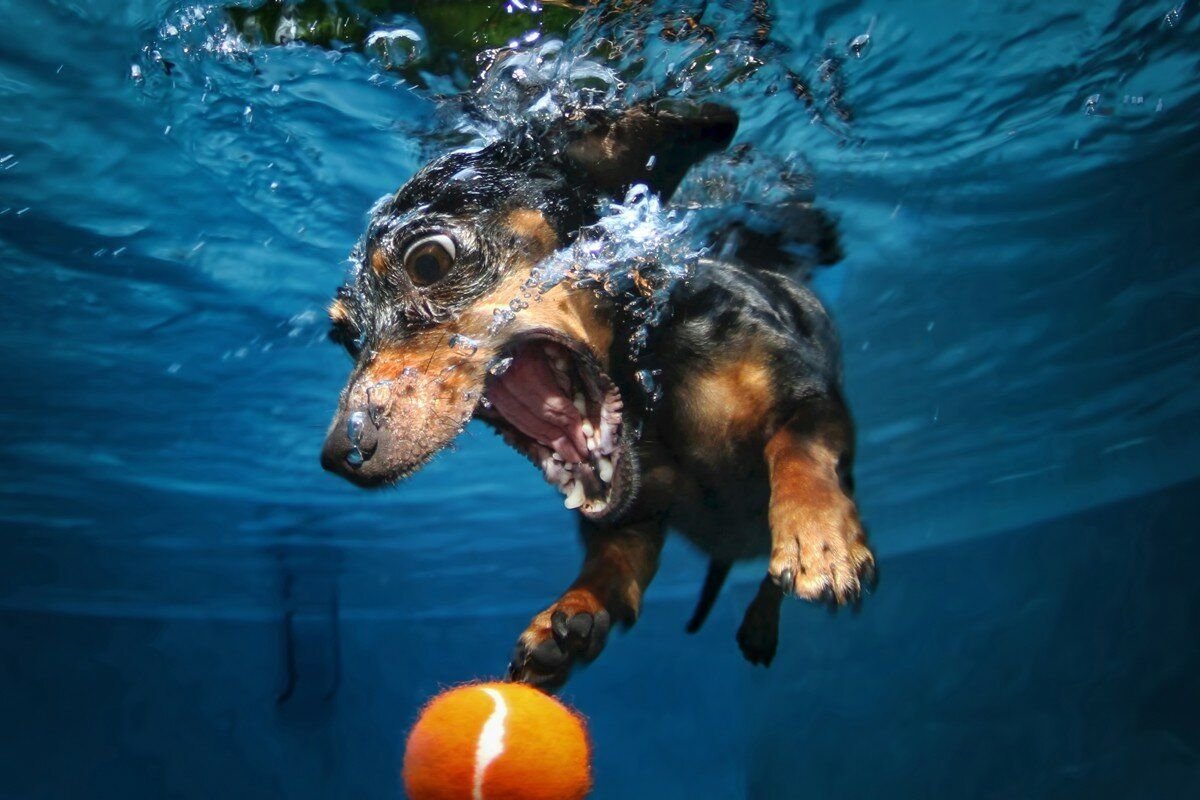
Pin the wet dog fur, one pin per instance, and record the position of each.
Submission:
(749, 449)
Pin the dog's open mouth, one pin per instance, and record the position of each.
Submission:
(552, 402)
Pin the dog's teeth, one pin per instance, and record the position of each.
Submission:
(580, 404)
(575, 496)
(595, 506)
(557, 457)
(588, 430)
(554, 472)
(608, 437)
(557, 359)
(605, 468)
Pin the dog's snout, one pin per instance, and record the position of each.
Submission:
(351, 443)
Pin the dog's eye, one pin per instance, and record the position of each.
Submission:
(429, 259)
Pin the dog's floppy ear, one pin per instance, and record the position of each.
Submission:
(651, 144)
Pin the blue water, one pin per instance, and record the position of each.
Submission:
(190, 607)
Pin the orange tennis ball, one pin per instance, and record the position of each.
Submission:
(497, 741)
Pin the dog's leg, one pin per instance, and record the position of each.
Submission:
(818, 548)
(759, 633)
(618, 565)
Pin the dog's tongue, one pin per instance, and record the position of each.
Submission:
(528, 396)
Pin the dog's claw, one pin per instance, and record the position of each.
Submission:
(598, 635)
(787, 581)
(580, 625)
(548, 655)
(515, 663)
(869, 574)
(558, 623)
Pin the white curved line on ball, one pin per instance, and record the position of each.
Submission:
(491, 741)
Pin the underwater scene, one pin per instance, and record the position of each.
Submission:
(854, 345)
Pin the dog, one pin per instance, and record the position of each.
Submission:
(747, 450)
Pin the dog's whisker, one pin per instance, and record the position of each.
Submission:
(433, 353)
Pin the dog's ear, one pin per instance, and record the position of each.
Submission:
(651, 144)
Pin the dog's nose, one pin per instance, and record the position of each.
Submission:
(351, 442)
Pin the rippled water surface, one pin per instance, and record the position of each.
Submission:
(1018, 189)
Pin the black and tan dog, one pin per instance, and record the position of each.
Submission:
(747, 452)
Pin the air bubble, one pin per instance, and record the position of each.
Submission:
(463, 344)
(399, 46)
(354, 427)
(287, 31)
(379, 400)
(501, 366)
(500, 318)
(636, 254)
(638, 340)
(1172, 18)
(860, 44)
(647, 380)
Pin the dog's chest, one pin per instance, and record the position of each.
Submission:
(722, 512)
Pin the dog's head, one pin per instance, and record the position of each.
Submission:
(451, 254)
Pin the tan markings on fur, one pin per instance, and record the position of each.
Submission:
(530, 225)
(379, 262)
(575, 312)
(575, 601)
(731, 403)
(616, 569)
(425, 387)
(804, 471)
(816, 535)
(572, 311)
(337, 312)
(426, 362)
(619, 564)
(422, 390)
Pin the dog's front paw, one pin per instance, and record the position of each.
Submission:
(571, 631)
(819, 550)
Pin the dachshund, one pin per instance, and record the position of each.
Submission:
(747, 446)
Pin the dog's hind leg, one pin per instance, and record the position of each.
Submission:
(759, 633)
(618, 565)
(818, 547)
